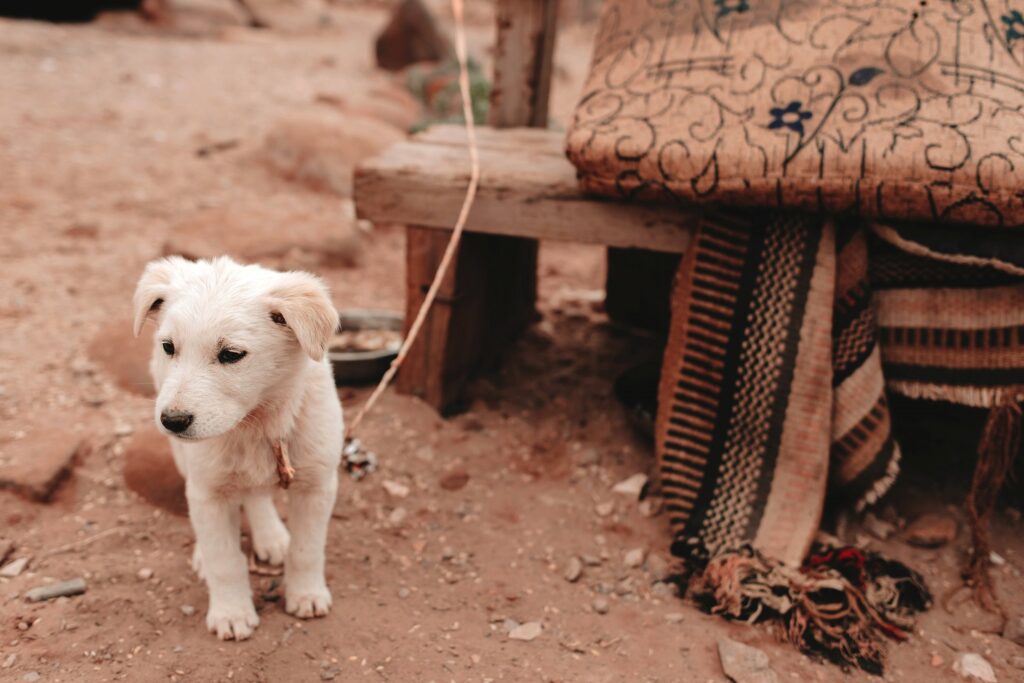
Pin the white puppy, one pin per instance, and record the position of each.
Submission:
(240, 369)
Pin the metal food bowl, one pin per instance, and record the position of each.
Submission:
(353, 368)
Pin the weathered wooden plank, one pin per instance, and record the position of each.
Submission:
(523, 59)
(525, 191)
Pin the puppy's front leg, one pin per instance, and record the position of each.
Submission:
(217, 527)
(309, 511)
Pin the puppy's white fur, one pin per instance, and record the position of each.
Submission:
(281, 390)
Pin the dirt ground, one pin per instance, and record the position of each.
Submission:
(101, 131)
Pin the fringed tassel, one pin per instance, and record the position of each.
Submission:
(1000, 443)
(840, 605)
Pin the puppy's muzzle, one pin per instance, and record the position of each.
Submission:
(176, 421)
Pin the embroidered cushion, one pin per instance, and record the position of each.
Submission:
(889, 109)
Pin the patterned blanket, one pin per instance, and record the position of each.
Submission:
(787, 331)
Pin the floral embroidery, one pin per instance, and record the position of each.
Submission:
(791, 117)
(1014, 26)
(727, 7)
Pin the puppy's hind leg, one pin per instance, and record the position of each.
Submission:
(269, 536)
(309, 512)
(217, 526)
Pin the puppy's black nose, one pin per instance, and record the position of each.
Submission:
(175, 421)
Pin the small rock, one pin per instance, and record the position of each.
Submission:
(591, 560)
(330, 674)
(604, 509)
(527, 631)
(931, 530)
(937, 660)
(397, 516)
(9, 661)
(14, 568)
(187, 610)
(631, 486)
(878, 528)
(674, 617)
(447, 553)
(625, 586)
(650, 506)
(123, 430)
(662, 589)
(404, 593)
(412, 35)
(145, 574)
(972, 665)
(996, 559)
(1013, 630)
(395, 489)
(658, 567)
(455, 480)
(60, 589)
(744, 664)
(31, 677)
(574, 570)
(601, 605)
(634, 557)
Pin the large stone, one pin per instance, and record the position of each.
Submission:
(412, 35)
(250, 236)
(320, 149)
(745, 664)
(123, 357)
(35, 465)
(149, 470)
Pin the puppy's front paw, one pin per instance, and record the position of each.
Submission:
(232, 620)
(307, 602)
(271, 544)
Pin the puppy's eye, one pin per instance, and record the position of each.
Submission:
(227, 356)
(168, 347)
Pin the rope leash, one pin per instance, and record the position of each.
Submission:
(460, 223)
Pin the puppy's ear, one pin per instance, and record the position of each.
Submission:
(300, 301)
(153, 289)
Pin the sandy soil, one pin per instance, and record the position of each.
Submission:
(99, 128)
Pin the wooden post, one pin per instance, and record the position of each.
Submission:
(491, 291)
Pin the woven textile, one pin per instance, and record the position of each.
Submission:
(786, 331)
(891, 109)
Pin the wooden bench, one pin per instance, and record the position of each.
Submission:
(527, 192)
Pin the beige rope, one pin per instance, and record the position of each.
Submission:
(460, 223)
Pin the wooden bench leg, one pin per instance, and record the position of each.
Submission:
(487, 298)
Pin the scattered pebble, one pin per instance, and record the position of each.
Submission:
(605, 509)
(996, 559)
(937, 660)
(662, 589)
(9, 662)
(631, 486)
(187, 610)
(395, 489)
(650, 506)
(634, 557)
(658, 567)
(404, 592)
(591, 560)
(1013, 630)
(527, 631)
(574, 570)
(74, 586)
(454, 480)
(931, 530)
(123, 430)
(397, 516)
(674, 617)
(330, 674)
(879, 528)
(972, 665)
(31, 677)
(600, 605)
(14, 568)
(145, 574)
(745, 664)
